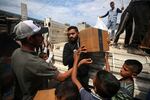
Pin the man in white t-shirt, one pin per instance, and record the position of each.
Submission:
(112, 18)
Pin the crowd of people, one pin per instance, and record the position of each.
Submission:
(32, 72)
(35, 71)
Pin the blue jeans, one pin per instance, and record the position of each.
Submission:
(111, 25)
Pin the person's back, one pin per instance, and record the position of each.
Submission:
(130, 69)
(26, 68)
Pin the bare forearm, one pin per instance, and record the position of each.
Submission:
(74, 75)
(63, 76)
(107, 65)
(105, 15)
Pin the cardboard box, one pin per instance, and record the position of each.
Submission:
(94, 39)
(45, 95)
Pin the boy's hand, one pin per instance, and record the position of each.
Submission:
(75, 65)
(85, 61)
(106, 56)
(80, 50)
(107, 62)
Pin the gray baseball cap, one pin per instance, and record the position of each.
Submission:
(28, 28)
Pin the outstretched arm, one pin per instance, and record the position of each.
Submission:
(120, 10)
(63, 76)
(74, 72)
(107, 63)
(104, 15)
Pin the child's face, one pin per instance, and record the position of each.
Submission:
(45, 57)
(125, 71)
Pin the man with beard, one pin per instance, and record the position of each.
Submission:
(70, 47)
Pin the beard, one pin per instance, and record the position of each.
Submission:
(72, 40)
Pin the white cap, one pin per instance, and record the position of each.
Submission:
(28, 28)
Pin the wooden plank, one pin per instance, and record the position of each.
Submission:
(45, 95)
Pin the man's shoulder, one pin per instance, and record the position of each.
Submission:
(18, 50)
(67, 44)
(84, 93)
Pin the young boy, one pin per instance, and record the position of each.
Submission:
(45, 57)
(105, 84)
(67, 91)
(130, 69)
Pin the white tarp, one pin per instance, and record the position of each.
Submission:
(100, 24)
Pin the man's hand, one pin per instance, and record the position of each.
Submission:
(122, 8)
(85, 61)
(79, 51)
(82, 49)
(100, 17)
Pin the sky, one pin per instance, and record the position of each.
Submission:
(64, 11)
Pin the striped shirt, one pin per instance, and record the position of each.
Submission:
(126, 90)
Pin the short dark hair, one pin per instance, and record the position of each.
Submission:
(112, 2)
(106, 84)
(134, 65)
(67, 90)
(41, 55)
(73, 27)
